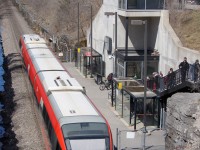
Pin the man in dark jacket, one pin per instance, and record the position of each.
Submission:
(184, 66)
(171, 79)
(196, 70)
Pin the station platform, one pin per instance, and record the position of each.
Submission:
(155, 138)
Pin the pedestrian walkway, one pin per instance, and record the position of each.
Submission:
(175, 81)
(100, 98)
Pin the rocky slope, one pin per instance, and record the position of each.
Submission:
(183, 122)
(186, 24)
(60, 16)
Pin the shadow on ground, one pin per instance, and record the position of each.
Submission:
(9, 140)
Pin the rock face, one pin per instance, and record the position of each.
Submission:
(183, 122)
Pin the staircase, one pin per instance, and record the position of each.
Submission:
(174, 82)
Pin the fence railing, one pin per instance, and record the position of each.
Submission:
(173, 79)
(132, 139)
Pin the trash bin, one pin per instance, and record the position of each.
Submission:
(98, 78)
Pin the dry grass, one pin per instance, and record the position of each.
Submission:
(187, 27)
(60, 16)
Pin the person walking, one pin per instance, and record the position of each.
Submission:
(110, 78)
(191, 72)
(156, 80)
(161, 74)
(171, 78)
(184, 66)
(196, 70)
(161, 81)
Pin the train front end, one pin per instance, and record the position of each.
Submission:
(86, 136)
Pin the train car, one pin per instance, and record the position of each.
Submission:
(72, 120)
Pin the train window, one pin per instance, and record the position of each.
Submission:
(53, 139)
(44, 112)
(49, 127)
(58, 146)
(20, 44)
(28, 68)
(46, 118)
(41, 103)
(85, 129)
(90, 135)
(88, 144)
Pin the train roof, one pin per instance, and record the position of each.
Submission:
(73, 107)
(41, 64)
(73, 103)
(38, 46)
(33, 39)
(65, 94)
(58, 80)
(81, 119)
(67, 99)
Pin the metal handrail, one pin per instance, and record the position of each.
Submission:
(177, 78)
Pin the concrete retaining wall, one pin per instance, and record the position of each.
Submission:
(170, 47)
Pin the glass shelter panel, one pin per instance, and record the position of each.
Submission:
(129, 103)
(78, 60)
(97, 65)
(118, 106)
(126, 106)
(139, 111)
(134, 69)
(120, 69)
(151, 112)
(84, 61)
(152, 66)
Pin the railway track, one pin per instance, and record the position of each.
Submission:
(15, 31)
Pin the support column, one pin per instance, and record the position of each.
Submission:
(126, 37)
(135, 113)
(115, 73)
(158, 105)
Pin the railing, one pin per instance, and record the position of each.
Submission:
(177, 78)
(141, 4)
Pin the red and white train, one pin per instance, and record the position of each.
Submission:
(72, 120)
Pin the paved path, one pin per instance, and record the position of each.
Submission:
(100, 99)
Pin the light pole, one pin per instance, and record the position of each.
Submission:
(144, 22)
(78, 25)
(78, 49)
(91, 44)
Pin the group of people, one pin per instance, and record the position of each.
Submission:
(195, 71)
(183, 74)
(187, 71)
